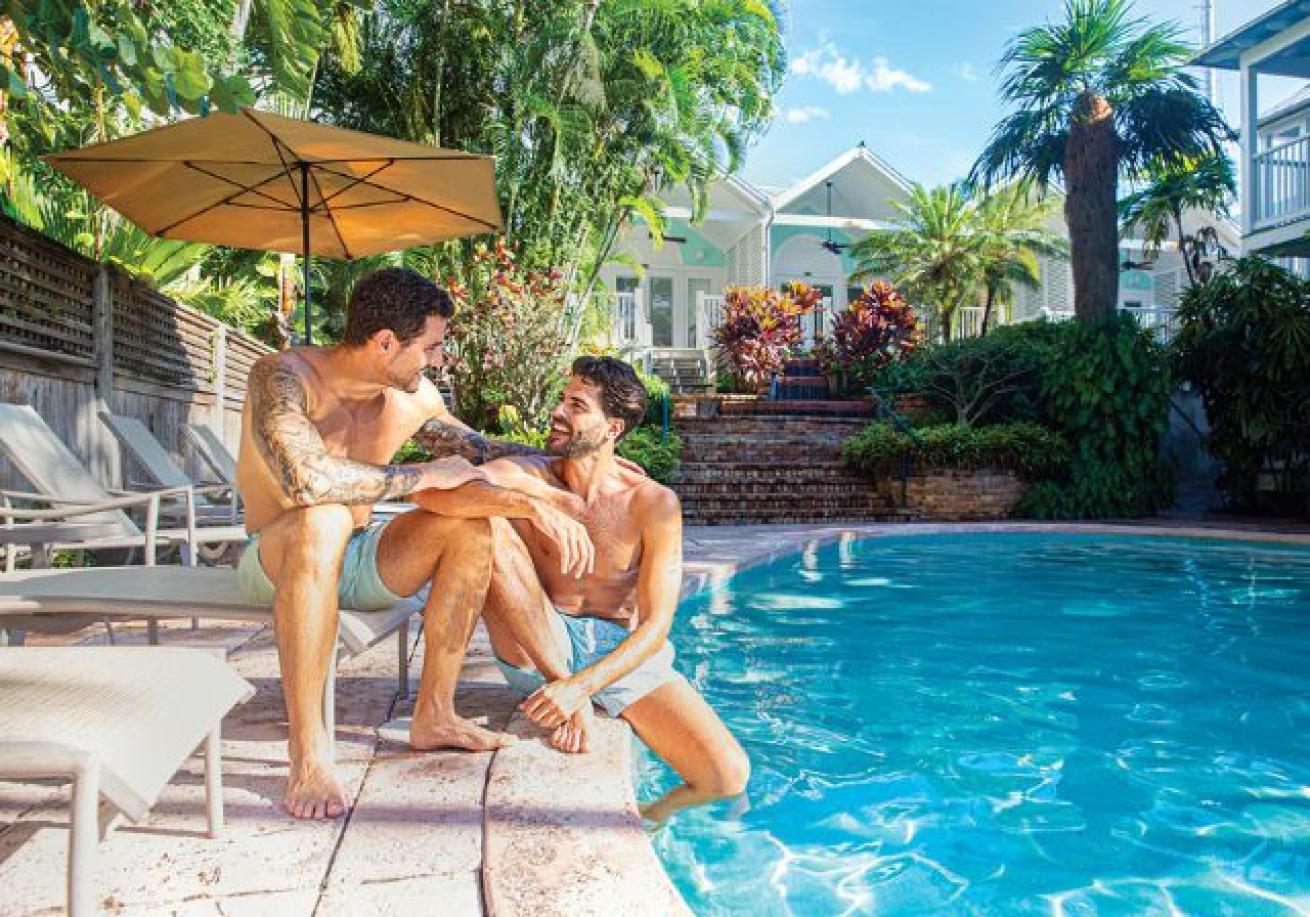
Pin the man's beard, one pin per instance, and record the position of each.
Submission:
(577, 446)
(409, 384)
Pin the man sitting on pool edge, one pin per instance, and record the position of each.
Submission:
(567, 640)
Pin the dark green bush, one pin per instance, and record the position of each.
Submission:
(1027, 449)
(980, 381)
(657, 392)
(659, 459)
(1105, 387)
(1244, 342)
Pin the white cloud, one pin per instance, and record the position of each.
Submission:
(966, 72)
(805, 113)
(847, 75)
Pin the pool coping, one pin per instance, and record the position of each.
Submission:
(714, 554)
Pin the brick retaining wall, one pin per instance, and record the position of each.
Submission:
(950, 495)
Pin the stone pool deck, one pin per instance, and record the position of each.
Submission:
(525, 831)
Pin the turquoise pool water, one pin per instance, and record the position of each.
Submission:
(1001, 724)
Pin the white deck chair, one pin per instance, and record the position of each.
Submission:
(186, 592)
(137, 440)
(68, 488)
(117, 722)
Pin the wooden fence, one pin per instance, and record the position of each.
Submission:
(78, 338)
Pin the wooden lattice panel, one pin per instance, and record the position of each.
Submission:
(45, 294)
(157, 339)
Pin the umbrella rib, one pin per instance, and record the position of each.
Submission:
(331, 218)
(241, 189)
(355, 182)
(251, 189)
(418, 200)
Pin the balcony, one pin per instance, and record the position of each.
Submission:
(1281, 190)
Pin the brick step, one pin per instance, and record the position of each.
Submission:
(734, 504)
(824, 408)
(756, 473)
(725, 426)
(769, 517)
(695, 490)
(802, 368)
(789, 456)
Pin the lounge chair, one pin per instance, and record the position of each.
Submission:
(117, 722)
(187, 592)
(136, 439)
(70, 492)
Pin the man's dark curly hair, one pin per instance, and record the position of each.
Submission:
(621, 393)
(395, 299)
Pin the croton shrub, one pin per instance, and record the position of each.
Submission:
(760, 329)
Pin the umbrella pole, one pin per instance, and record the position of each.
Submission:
(304, 249)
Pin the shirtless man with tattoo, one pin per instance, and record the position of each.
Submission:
(567, 640)
(320, 427)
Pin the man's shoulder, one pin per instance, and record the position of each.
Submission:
(656, 502)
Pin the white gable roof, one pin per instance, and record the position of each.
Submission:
(857, 161)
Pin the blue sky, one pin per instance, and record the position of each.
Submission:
(915, 79)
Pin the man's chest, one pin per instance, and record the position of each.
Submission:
(367, 434)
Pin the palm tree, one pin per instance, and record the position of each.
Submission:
(1098, 95)
(1206, 184)
(931, 252)
(1012, 235)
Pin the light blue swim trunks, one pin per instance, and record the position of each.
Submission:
(360, 588)
(590, 639)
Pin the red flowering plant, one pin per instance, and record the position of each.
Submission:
(877, 329)
(760, 328)
(506, 345)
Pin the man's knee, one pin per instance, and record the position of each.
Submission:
(327, 525)
(732, 771)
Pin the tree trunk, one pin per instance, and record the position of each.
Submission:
(1091, 166)
(987, 310)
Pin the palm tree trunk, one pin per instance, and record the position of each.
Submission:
(1091, 165)
(1184, 248)
(987, 310)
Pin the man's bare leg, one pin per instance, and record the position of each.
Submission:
(675, 722)
(517, 619)
(455, 556)
(301, 552)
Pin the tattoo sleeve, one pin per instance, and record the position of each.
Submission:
(442, 439)
(294, 450)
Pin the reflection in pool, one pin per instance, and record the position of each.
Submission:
(984, 724)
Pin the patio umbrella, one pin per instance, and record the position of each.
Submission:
(253, 179)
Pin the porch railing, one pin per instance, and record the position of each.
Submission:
(709, 314)
(1282, 183)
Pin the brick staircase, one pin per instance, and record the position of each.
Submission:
(775, 462)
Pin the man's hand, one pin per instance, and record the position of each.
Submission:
(577, 555)
(450, 472)
(573, 736)
(554, 702)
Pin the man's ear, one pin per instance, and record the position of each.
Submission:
(386, 340)
(616, 427)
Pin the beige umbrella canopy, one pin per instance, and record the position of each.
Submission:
(258, 180)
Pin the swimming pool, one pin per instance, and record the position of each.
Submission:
(1012, 723)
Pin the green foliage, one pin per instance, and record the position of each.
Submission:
(1028, 449)
(1244, 341)
(659, 459)
(504, 340)
(984, 380)
(657, 393)
(1106, 388)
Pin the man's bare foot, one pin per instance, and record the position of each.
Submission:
(313, 791)
(427, 733)
(573, 736)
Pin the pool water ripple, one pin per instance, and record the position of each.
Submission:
(994, 724)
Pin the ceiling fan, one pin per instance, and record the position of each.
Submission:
(833, 246)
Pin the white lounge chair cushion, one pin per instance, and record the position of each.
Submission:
(141, 710)
(167, 592)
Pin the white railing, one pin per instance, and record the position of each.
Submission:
(1163, 320)
(818, 323)
(1282, 183)
(709, 315)
(968, 322)
(630, 329)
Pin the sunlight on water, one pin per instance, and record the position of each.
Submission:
(1005, 724)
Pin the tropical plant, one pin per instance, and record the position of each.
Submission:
(1243, 341)
(1205, 184)
(1012, 235)
(504, 340)
(930, 252)
(1106, 387)
(1099, 95)
(658, 455)
(1028, 449)
(876, 329)
(760, 327)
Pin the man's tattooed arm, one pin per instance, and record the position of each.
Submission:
(441, 438)
(293, 448)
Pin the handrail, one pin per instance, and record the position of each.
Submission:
(886, 411)
(1280, 147)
